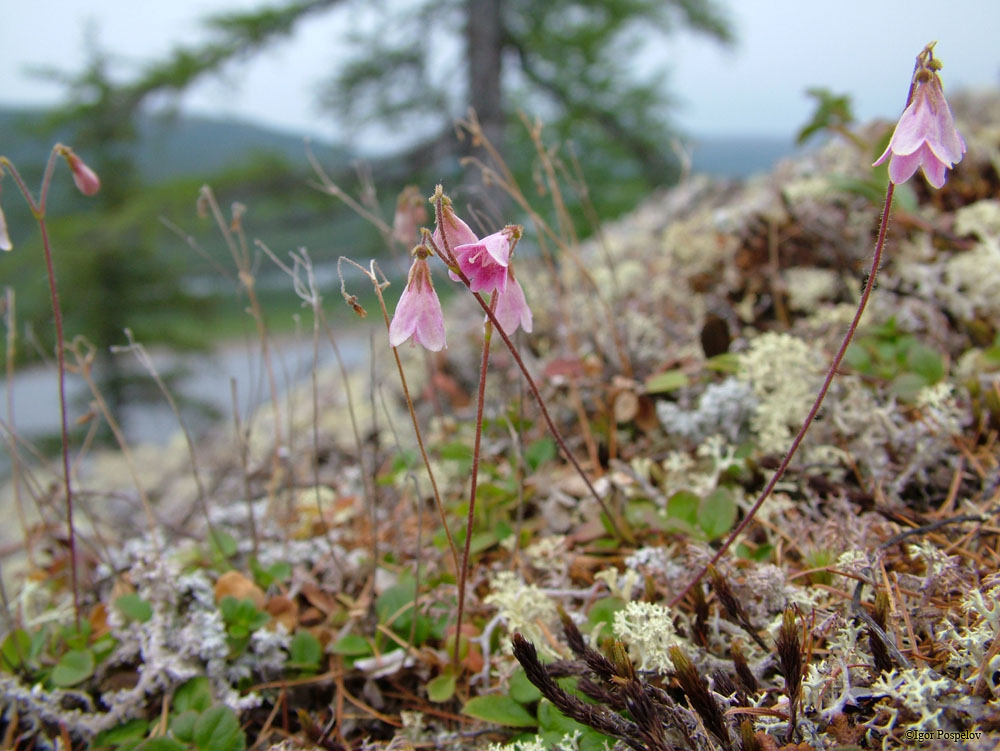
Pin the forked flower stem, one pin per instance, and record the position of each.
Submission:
(830, 374)
(370, 273)
(38, 211)
(448, 257)
(463, 573)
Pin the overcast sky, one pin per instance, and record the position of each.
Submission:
(862, 47)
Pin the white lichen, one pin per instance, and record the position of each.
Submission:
(648, 631)
(525, 608)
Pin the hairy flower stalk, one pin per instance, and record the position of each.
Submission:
(87, 182)
(448, 227)
(926, 65)
(925, 135)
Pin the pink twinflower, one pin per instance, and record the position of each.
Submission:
(485, 261)
(4, 237)
(418, 312)
(87, 181)
(512, 308)
(452, 228)
(925, 135)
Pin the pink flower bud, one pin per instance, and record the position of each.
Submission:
(87, 181)
(4, 237)
(925, 135)
(418, 312)
(410, 214)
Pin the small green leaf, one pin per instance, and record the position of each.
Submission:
(223, 543)
(194, 695)
(926, 362)
(441, 688)
(907, 386)
(683, 505)
(726, 362)
(717, 513)
(761, 553)
(351, 645)
(134, 607)
(162, 744)
(126, 735)
(305, 652)
(499, 710)
(182, 726)
(670, 380)
(540, 452)
(218, 729)
(857, 358)
(76, 666)
(603, 611)
(522, 690)
(455, 451)
(15, 650)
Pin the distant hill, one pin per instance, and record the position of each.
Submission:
(170, 146)
(181, 145)
(735, 156)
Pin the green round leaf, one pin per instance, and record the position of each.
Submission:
(717, 513)
(441, 688)
(162, 744)
(134, 607)
(121, 736)
(684, 505)
(522, 690)
(670, 380)
(351, 645)
(182, 726)
(76, 666)
(218, 729)
(195, 695)
(499, 710)
(925, 362)
(15, 650)
(305, 652)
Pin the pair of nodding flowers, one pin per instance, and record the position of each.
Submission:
(925, 135)
(487, 265)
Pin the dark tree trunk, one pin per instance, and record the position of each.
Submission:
(484, 39)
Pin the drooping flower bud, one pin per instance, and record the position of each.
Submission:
(925, 135)
(87, 181)
(410, 214)
(5, 243)
(418, 312)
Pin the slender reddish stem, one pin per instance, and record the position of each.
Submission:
(831, 373)
(38, 211)
(464, 571)
(449, 259)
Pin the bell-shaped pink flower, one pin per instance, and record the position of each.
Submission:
(454, 229)
(485, 262)
(925, 135)
(87, 181)
(512, 308)
(5, 243)
(418, 312)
